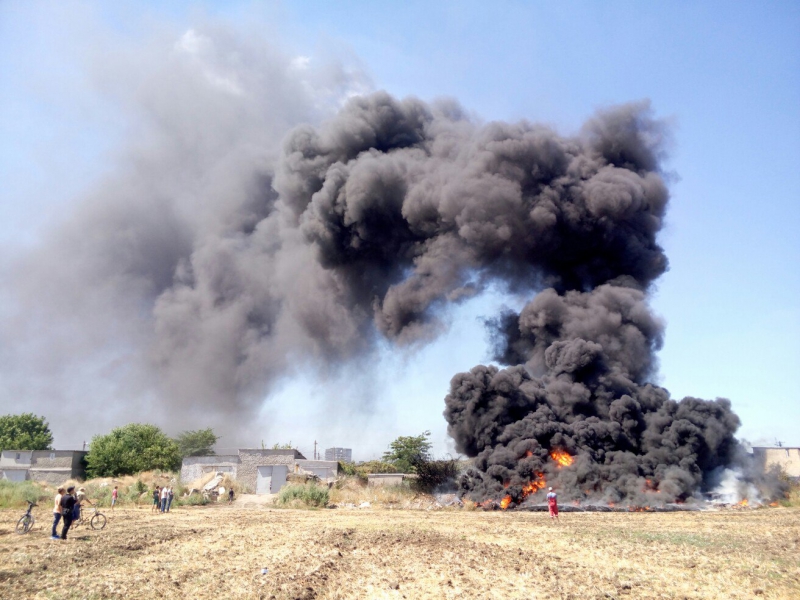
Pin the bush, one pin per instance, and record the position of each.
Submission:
(190, 500)
(792, 497)
(16, 494)
(310, 494)
(433, 474)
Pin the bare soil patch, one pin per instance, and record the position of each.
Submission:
(219, 552)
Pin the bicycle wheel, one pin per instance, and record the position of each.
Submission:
(24, 524)
(98, 521)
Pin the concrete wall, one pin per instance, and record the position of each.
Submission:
(15, 458)
(52, 476)
(194, 467)
(14, 474)
(51, 459)
(787, 459)
(385, 478)
(251, 459)
(324, 469)
(50, 466)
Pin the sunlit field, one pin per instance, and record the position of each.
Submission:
(220, 552)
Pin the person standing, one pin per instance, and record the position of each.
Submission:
(230, 496)
(170, 496)
(67, 506)
(57, 512)
(164, 494)
(552, 504)
(156, 498)
(114, 494)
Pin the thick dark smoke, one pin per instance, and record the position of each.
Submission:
(410, 206)
(231, 245)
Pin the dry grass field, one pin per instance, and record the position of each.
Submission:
(218, 552)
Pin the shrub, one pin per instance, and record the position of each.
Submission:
(433, 474)
(310, 494)
(792, 497)
(16, 494)
(190, 500)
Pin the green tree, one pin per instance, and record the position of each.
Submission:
(287, 446)
(408, 451)
(132, 449)
(24, 432)
(196, 443)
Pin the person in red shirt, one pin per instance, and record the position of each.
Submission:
(552, 503)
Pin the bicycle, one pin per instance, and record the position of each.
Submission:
(98, 520)
(25, 524)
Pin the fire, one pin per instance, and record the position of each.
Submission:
(773, 504)
(562, 458)
(529, 488)
(743, 502)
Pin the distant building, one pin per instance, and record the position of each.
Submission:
(263, 471)
(50, 466)
(785, 457)
(339, 454)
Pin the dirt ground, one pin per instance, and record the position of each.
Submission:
(219, 552)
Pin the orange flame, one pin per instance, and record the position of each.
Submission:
(505, 502)
(773, 504)
(562, 458)
(743, 502)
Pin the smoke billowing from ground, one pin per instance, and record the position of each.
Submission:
(232, 244)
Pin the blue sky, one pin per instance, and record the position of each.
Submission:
(726, 75)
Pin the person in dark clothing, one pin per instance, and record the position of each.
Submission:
(67, 504)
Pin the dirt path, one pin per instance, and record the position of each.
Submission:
(336, 554)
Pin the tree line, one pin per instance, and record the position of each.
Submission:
(138, 447)
(126, 450)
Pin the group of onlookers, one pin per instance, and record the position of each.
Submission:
(67, 509)
(162, 498)
(67, 505)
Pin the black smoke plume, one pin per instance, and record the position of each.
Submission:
(410, 206)
(228, 245)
